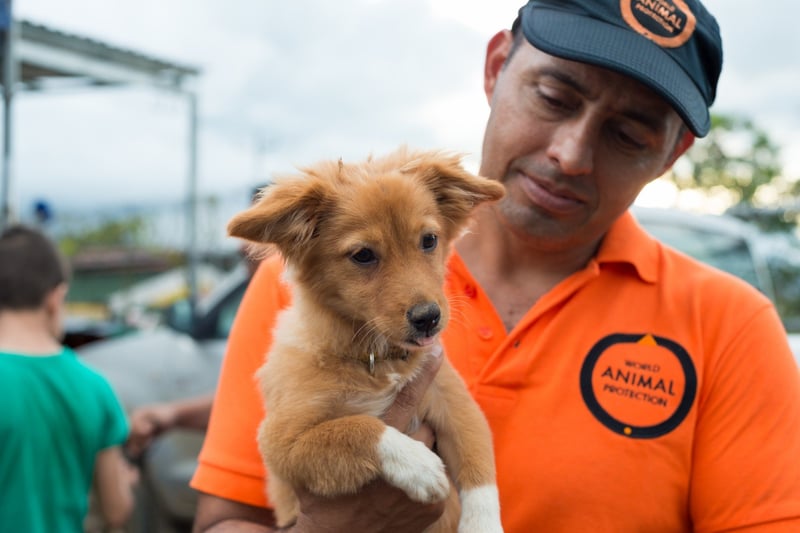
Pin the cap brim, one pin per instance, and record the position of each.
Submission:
(580, 38)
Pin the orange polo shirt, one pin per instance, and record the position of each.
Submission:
(644, 393)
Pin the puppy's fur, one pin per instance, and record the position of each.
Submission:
(365, 246)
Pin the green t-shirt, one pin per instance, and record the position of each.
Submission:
(55, 415)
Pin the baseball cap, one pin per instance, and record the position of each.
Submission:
(672, 46)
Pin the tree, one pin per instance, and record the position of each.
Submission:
(126, 231)
(739, 160)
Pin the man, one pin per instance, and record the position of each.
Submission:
(628, 387)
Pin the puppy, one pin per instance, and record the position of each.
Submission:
(365, 247)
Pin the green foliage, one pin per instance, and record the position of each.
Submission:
(736, 155)
(126, 232)
(738, 159)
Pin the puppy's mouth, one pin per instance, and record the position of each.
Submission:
(419, 342)
(424, 322)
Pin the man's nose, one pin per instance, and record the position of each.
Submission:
(572, 147)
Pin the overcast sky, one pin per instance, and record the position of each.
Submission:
(289, 82)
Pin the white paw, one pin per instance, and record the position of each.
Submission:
(480, 510)
(410, 466)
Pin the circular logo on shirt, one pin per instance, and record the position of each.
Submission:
(668, 23)
(638, 385)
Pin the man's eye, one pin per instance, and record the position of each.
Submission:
(630, 141)
(429, 242)
(364, 256)
(552, 101)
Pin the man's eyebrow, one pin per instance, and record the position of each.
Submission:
(563, 77)
(650, 120)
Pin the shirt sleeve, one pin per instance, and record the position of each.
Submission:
(108, 412)
(117, 421)
(230, 465)
(746, 474)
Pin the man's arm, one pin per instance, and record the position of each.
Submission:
(745, 470)
(218, 515)
(378, 507)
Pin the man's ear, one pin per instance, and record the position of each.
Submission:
(684, 143)
(496, 54)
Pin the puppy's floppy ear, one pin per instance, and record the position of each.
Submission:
(286, 214)
(457, 191)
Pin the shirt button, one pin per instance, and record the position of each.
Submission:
(470, 291)
(485, 333)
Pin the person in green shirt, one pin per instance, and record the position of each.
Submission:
(61, 425)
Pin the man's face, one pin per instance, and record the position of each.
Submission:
(573, 143)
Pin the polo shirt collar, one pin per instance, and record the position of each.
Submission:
(627, 242)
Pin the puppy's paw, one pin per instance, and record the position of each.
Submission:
(410, 466)
(480, 510)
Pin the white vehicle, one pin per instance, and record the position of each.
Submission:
(182, 358)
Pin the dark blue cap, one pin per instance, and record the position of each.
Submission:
(672, 46)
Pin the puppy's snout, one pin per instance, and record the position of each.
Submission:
(424, 318)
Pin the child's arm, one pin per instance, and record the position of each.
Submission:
(114, 480)
(150, 421)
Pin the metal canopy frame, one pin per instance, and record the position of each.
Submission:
(44, 53)
(39, 58)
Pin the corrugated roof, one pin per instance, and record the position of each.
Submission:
(45, 53)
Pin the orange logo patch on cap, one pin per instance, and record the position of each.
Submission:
(668, 23)
(638, 385)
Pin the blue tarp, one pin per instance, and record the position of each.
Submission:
(5, 14)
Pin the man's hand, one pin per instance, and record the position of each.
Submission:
(404, 408)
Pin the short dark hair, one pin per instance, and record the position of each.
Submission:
(31, 266)
(517, 38)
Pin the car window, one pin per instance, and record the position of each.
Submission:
(227, 312)
(179, 316)
(726, 252)
(783, 260)
(214, 313)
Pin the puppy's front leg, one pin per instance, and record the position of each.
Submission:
(464, 441)
(342, 455)
(410, 466)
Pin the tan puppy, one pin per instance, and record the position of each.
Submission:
(365, 246)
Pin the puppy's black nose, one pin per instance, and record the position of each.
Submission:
(424, 318)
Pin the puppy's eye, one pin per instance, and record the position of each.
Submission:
(428, 242)
(364, 256)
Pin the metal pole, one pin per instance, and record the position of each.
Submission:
(9, 83)
(192, 200)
